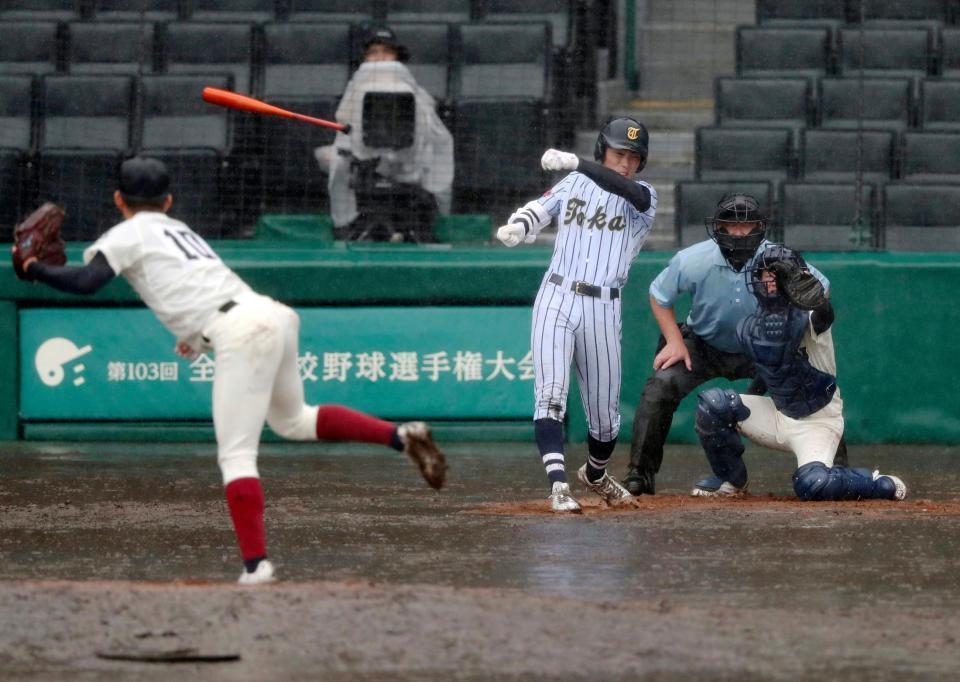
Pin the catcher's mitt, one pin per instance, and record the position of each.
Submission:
(38, 238)
(802, 289)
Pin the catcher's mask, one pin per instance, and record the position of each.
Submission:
(737, 209)
(761, 263)
(623, 133)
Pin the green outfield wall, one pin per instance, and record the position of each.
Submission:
(449, 328)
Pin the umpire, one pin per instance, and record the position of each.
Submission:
(705, 346)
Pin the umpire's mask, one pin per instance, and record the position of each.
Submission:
(737, 209)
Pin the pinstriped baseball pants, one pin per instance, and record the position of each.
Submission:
(567, 329)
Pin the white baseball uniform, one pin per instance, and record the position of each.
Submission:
(813, 438)
(206, 305)
(598, 236)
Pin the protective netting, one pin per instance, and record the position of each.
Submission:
(841, 116)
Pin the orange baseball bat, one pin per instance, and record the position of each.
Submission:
(232, 100)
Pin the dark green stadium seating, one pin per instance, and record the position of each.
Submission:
(744, 154)
(879, 103)
(932, 157)
(832, 155)
(821, 216)
(921, 217)
(29, 47)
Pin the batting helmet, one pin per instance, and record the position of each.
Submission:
(737, 209)
(623, 133)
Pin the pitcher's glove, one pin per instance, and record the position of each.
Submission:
(802, 289)
(37, 238)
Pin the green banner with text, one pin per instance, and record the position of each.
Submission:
(433, 362)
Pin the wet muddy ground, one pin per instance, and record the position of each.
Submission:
(119, 549)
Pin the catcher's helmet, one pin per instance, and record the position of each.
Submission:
(772, 253)
(623, 133)
(737, 209)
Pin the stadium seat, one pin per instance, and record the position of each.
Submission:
(832, 155)
(503, 88)
(950, 53)
(196, 47)
(29, 47)
(505, 60)
(931, 14)
(198, 182)
(890, 53)
(17, 96)
(695, 201)
(742, 154)
(821, 216)
(428, 10)
(930, 157)
(430, 55)
(254, 11)
(110, 47)
(305, 60)
(939, 104)
(85, 129)
(558, 13)
(41, 10)
(125, 10)
(921, 217)
(801, 12)
(13, 182)
(494, 162)
(762, 102)
(354, 11)
(173, 115)
(783, 51)
(887, 103)
(306, 68)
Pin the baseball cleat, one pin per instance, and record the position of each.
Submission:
(263, 575)
(612, 492)
(419, 446)
(561, 500)
(899, 488)
(714, 487)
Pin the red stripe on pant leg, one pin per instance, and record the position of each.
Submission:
(336, 422)
(245, 499)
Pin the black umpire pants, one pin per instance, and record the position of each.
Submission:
(667, 387)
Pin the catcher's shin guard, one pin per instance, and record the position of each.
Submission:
(718, 411)
(817, 482)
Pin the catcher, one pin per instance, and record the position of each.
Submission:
(208, 307)
(791, 344)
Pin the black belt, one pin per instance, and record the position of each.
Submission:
(225, 308)
(585, 289)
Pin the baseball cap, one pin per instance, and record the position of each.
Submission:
(386, 36)
(143, 178)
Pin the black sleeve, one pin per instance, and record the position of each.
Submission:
(88, 279)
(613, 182)
(822, 317)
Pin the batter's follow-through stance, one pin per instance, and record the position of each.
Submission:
(255, 338)
(603, 218)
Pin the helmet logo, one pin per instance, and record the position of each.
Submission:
(632, 133)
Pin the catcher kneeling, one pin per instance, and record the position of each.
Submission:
(791, 344)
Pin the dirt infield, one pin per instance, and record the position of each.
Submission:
(126, 551)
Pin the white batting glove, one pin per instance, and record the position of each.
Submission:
(556, 160)
(511, 235)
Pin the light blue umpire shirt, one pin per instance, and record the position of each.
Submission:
(720, 296)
